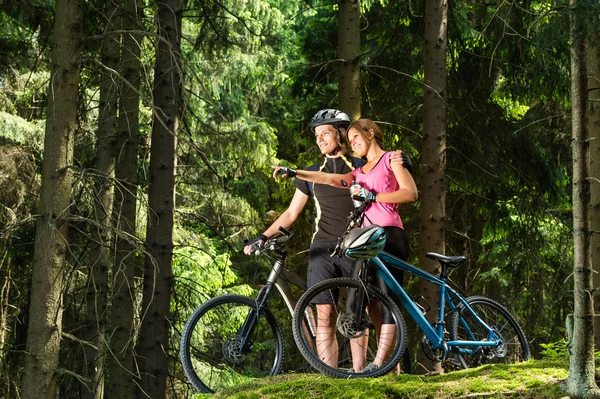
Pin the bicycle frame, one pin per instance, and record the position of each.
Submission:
(279, 278)
(447, 295)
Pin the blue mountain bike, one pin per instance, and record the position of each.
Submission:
(468, 332)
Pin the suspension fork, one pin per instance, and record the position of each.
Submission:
(245, 333)
(357, 298)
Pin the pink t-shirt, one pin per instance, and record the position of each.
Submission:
(380, 179)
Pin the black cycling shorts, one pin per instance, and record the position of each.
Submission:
(322, 266)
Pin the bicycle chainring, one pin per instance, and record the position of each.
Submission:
(349, 328)
(435, 355)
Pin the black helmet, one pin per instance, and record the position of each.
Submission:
(329, 117)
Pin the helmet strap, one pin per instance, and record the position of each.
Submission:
(335, 151)
(337, 140)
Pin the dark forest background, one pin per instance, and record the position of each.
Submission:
(250, 75)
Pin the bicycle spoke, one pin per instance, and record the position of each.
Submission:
(513, 345)
(211, 345)
(347, 340)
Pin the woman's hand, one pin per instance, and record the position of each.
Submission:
(366, 195)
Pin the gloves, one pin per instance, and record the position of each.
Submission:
(257, 243)
(407, 163)
(368, 196)
(289, 172)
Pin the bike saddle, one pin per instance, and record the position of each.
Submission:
(451, 261)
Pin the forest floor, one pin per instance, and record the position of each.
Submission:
(535, 379)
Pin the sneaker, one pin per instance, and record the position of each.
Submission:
(370, 367)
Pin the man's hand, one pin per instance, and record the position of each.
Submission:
(283, 171)
(255, 244)
(403, 159)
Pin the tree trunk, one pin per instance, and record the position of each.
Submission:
(100, 256)
(349, 54)
(5, 283)
(581, 380)
(593, 104)
(122, 324)
(433, 154)
(45, 314)
(158, 279)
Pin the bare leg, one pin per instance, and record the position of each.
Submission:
(387, 342)
(327, 346)
(359, 346)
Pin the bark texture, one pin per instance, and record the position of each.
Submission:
(158, 277)
(581, 381)
(432, 213)
(349, 54)
(100, 256)
(593, 104)
(123, 325)
(45, 315)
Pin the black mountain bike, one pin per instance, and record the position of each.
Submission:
(231, 339)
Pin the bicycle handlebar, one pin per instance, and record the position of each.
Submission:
(273, 244)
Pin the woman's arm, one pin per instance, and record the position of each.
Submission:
(333, 179)
(408, 189)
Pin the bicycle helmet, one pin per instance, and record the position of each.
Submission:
(364, 243)
(329, 117)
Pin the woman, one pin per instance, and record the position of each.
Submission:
(384, 184)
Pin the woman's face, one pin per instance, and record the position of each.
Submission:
(358, 143)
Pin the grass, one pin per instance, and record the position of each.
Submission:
(535, 379)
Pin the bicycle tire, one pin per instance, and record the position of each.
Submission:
(463, 326)
(209, 355)
(341, 287)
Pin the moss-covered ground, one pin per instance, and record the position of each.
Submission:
(535, 379)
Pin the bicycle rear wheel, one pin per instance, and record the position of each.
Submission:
(210, 347)
(464, 327)
(349, 328)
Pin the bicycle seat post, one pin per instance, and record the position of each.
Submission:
(443, 276)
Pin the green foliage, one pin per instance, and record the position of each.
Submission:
(17, 130)
(555, 350)
(196, 258)
(25, 27)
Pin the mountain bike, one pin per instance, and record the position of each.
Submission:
(479, 330)
(232, 339)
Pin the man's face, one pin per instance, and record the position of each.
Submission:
(325, 136)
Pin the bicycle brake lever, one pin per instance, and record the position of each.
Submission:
(285, 232)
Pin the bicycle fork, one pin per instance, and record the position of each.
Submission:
(244, 336)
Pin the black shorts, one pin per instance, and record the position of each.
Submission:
(322, 266)
(396, 244)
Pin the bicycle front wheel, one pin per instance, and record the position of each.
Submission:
(465, 327)
(212, 348)
(348, 336)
